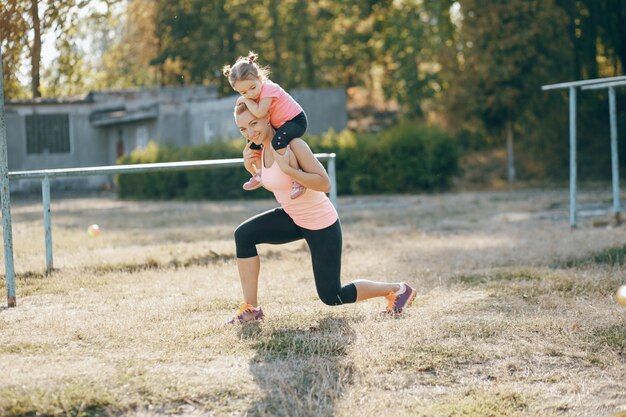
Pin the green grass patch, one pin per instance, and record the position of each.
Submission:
(150, 264)
(434, 357)
(611, 337)
(609, 256)
(26, 348)
(476, 330)
(302, 343)
(482, 403)
(71, 399)
(498, 277)
(533, 286)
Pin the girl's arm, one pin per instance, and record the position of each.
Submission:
(259, 110)
(313, 175)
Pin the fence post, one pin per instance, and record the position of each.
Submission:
(47, 224)
(9, 270)
(572, 157)
(332, 173)
(614, 156)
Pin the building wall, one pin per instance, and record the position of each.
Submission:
(88, 147)
(325, 109)
(184, 119)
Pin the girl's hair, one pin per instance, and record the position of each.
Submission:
(246, 68)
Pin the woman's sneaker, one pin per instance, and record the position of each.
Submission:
(398, 301)
(247, 313)
(253, 183)
(297, 189)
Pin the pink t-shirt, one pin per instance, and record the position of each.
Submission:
(283, 107)
(312, 210)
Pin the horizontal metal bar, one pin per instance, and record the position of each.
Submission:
(604, 85)
(136, 168)
(582, 82)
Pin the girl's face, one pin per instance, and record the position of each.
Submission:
(248, 88)
(253, 129)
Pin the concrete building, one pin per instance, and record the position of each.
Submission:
(97, 129)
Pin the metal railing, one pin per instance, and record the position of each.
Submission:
(46, 174)
(610, 82)
(610, 86)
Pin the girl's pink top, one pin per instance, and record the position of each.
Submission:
(283, 107)
(312, 210)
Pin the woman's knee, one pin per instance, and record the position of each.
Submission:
(240, 234)
(338, 296)
(244, 242)
(330, 297)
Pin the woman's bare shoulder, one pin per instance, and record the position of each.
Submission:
(299, 144)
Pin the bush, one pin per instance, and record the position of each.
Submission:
(224, 183)
(410, 157)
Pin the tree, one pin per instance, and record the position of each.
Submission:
(128, 42)
(27, 21)
(407, 55)
(508, 50)
(13, 33)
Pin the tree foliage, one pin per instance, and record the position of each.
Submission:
(476, 65)
(507, 50)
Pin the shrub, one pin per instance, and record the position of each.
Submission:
(410, 157)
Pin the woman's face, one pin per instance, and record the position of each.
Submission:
(253, 129)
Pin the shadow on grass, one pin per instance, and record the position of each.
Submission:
(302, 372)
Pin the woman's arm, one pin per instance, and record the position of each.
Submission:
(259, 110)
(312, 174)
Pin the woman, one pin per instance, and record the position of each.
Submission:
(311, 217)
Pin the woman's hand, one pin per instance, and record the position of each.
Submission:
(282, 160)
(250, 158)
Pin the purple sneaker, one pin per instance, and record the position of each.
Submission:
(247, 313)
(253, 183)
(398, 301)
(297, 189)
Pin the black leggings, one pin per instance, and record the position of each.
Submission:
(276, 227)
(291, 129)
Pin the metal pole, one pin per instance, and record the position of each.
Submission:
(47, 224)
(572, 157)
(614, 155)
(6, 201)
(333, 179)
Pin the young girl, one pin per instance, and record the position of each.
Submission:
(263, 97)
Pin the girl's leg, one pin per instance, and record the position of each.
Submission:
(255, 181)
(291, 129)
(273, 227)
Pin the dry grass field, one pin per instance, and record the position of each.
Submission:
(514, 316)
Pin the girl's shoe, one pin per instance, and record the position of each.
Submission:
(253, 183)
(297, 189)
(398, 301)
(247, 313)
